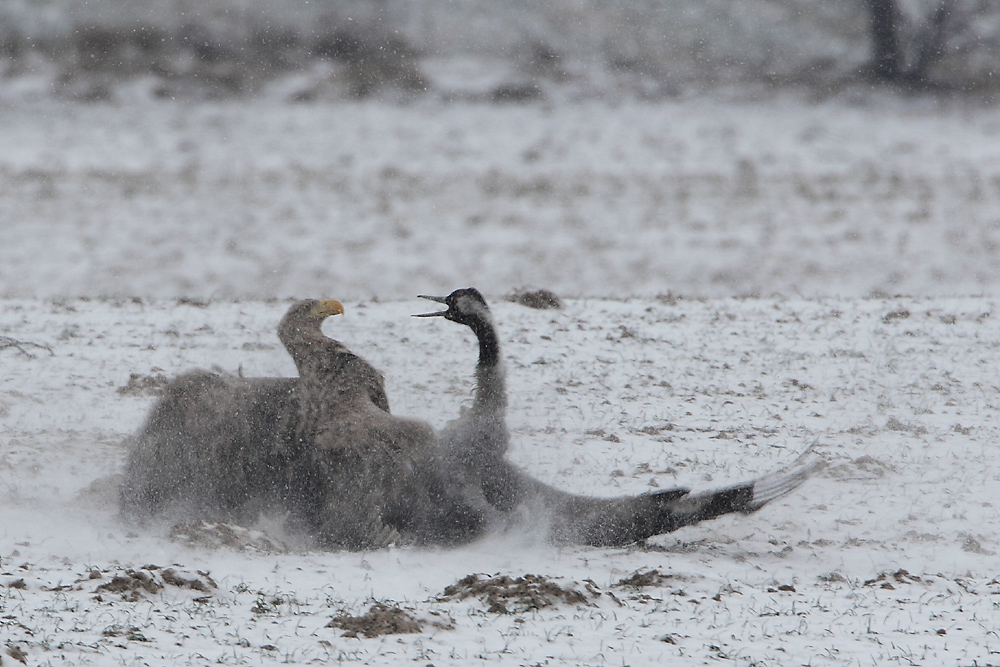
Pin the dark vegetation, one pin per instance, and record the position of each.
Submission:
(933, 46)
(193, 61)
(638, 48)
(6, 342)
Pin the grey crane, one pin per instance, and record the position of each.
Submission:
(478, 440)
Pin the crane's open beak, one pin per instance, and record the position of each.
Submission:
(438, 299)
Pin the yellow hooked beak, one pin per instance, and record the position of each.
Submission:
(328, 307)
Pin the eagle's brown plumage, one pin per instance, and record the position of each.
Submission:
(321, 449)
(376, 478)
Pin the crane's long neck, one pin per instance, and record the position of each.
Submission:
(491, 389)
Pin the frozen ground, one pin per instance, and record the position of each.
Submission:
(703, 197)
(888, 556)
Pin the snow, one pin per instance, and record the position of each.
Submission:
(705, 197)
(731, 270)
(887, 555)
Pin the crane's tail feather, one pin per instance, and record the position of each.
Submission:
(781, 482)
(683, 509)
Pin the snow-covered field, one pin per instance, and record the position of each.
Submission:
(888, 556)
(704, 197)
(729, 269)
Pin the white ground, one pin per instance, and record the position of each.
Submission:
(607, 397)
(821, 205)
(701, 198)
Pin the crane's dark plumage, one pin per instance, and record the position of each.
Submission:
(478, 439)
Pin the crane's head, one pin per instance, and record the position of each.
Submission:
(465, 306)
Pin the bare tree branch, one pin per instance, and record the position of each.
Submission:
(19, 345)
(886, 56)
(930, 43)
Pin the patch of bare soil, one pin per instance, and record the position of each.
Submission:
(972, 545)
(542, 299)
(17, 653)
(138, 383)
(863, 467)
(506, 595)
(131, 633)
(130, 583)
(889, 580)
(151, 579)
(641, 579)
(380, 619)
(217, 534)
(202, 582)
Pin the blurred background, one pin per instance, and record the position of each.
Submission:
(241, 148)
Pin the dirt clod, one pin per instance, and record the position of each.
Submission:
(139, 384)
(380, 619)
(885, 579)
(132, 581)
(16, 653)
(216, 534)
(541, 299)
(151, 579)
(171, 577)
(900, 314)
(640, 579)
(506, 595)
